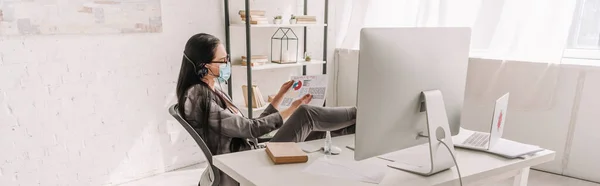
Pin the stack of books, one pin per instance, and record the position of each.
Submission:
(306, 19)
(257, 97)
(257, 60)
(256, 17)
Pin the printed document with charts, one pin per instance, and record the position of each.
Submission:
(315, 85)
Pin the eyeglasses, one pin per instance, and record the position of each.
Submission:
(227, 60)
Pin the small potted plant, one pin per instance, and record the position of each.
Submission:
(293, 19)
(277, 20)
(307, 57)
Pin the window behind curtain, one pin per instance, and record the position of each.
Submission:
(586, 31)
(584, 40)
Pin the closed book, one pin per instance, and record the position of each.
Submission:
(253, 64)
(257, 60)
(286, 152)
(253, 12)
(255, 18)
(306, 17)
(306, 22)
(257, 22)
(256, 97)
(260, 102)
(257, 57)
(245, 91)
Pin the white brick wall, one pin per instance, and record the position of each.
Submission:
(92, 109)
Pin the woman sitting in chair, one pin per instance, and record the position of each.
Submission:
(221, 124)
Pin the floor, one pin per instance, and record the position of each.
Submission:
(190, 176)
(537, 178)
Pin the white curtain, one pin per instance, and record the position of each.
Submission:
(529, 30)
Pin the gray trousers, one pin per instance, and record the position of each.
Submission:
(310, 122)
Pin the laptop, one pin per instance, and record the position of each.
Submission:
(492, 141)
(482, 140)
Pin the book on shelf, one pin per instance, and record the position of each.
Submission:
(306, 22)
(255, 18)
(312, 20)
(252, 12)
(257, 22)
(306, 17)
(257, 60)
(256, 57)
(257, 99)
(254, 63)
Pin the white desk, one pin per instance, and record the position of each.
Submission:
(477, 168)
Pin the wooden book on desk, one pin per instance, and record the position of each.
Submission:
(287, 152)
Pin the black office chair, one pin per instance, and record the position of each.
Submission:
(213, 172)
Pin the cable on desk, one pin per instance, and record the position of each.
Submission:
(453, 158)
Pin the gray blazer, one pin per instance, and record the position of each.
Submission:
(236, 130)
(233, 126)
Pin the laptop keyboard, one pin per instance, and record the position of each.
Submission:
(478, 139)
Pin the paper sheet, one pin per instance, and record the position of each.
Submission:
(314, 85)
(351, 170)
(513, 149)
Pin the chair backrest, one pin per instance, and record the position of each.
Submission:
(215, 173)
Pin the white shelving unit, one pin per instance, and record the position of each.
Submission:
(271, 66)
(241, 25)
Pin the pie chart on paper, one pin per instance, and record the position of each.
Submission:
(297, 85)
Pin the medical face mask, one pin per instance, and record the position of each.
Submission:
(224, 72)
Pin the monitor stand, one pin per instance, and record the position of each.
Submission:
(440, 158)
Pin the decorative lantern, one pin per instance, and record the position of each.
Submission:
(284, 46)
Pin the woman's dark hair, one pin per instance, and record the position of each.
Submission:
(200, 50)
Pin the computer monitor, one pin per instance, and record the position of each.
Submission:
(395, 66)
